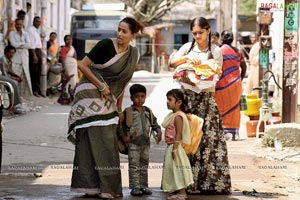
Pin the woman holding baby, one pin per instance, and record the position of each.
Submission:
(210, 165)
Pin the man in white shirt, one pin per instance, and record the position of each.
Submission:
(35, 56)
(20, 40)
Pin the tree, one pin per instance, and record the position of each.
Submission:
(247, 7)
(149, 11)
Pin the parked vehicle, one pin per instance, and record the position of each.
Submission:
(88, 27)
(6, 102)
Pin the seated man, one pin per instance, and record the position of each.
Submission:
(7, 74)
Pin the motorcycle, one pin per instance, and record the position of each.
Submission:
(6, 103)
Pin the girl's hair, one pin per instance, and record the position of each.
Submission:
(179, 95)
(134, 25)
(203, 23)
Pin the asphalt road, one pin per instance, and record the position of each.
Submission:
(37, 158)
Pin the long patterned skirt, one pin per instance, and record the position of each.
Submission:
(209, 164)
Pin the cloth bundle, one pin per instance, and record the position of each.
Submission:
(200, 76)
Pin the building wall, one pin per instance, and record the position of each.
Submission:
(57, 17)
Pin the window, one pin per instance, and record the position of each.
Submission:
(96, 22)
(180, 39)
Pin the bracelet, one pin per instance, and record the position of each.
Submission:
(176, 141)
(101, 90)
(119, 112)
(174, 150)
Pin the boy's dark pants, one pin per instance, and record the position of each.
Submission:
(138, 161)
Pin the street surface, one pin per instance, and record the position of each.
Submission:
(37, 158)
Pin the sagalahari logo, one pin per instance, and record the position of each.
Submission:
(278, 6)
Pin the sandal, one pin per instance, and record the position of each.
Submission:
(177, 197)
(136, 192)
(105, 196)
(193, 191)
(146, 191)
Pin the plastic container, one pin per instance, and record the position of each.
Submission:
(251, 127)
(253, 105)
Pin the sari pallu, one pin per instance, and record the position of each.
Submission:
(229, 90)
(87, 106)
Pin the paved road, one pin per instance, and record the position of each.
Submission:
(37, 159)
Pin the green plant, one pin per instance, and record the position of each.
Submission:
(268, 141)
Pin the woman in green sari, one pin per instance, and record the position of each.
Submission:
(97, 109)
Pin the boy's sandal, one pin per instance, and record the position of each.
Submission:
(105, 196)
(177, 197)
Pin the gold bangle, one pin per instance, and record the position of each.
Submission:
(120, 112)
(101, 90)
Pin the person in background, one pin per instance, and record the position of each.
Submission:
(138, 139)
(35, 56)
(8, 75)
(68, 59)
(97, 109)
(20, 15)
(253, 75)
(215, 38)
(253, 38)
(52, 48)
(229, 87)
(21, 41)
(26, 19)
(209, 177)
